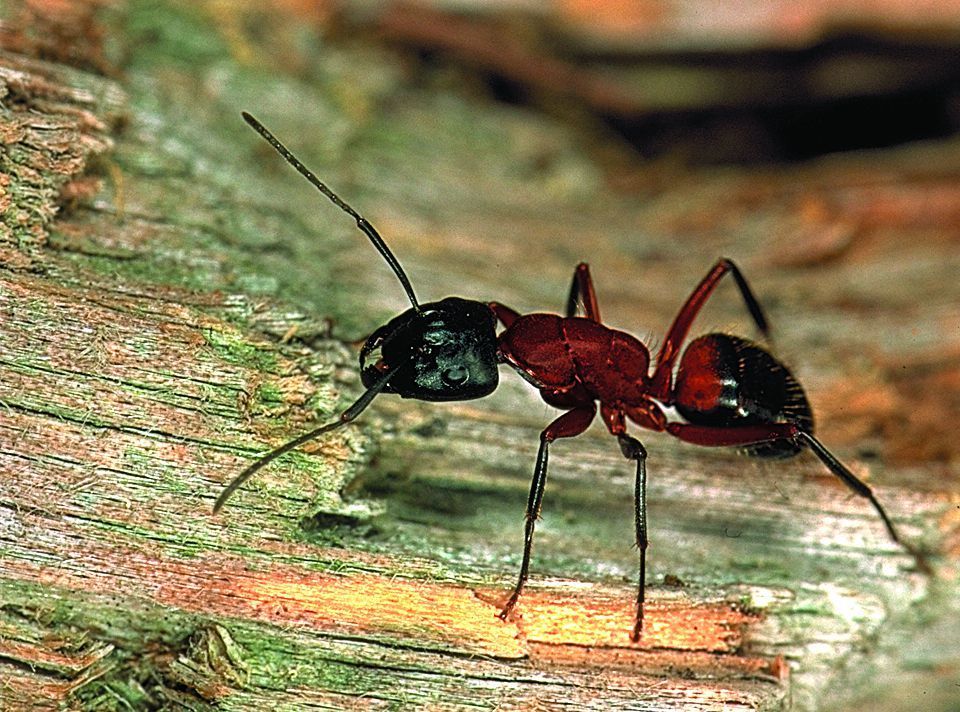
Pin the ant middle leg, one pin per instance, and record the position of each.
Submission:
(633, 450)
(568, 425)
(581, 290)
(650, 416)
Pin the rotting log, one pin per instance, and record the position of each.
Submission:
(154, 338)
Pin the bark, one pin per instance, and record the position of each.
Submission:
(171, 306)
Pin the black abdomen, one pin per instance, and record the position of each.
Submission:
(726, 381)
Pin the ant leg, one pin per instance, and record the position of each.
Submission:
(733, 436)
(661, 381)
(861, 488)
(568, 425)
(506, 315)
(582, 289)
(751, 434)
(632, 449)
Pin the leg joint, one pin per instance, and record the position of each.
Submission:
(631, 447)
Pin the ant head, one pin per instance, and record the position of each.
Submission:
(448, 348)
(441, 351)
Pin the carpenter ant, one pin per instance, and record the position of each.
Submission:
(730, 391)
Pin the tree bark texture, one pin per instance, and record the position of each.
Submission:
(174, 301)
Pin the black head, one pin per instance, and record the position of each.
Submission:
(448, 348)
(442, 351)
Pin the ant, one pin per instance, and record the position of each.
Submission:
(729, 391)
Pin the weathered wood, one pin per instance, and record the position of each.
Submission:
(153, 340)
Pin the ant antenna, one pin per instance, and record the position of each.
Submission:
(362, 223)
(348, 416)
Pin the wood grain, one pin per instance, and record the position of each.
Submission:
(188, 308)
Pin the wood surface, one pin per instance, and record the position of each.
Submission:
(174, 301)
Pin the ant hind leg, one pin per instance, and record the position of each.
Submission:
(712, 436)
(862, 489)
(670, 350)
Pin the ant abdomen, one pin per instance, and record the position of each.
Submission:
(726, 381)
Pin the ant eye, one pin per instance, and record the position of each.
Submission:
(434, 338)
(455, 376)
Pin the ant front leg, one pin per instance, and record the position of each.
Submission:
(582, 289)
(504, 314)
(568, 425)
(660, 382)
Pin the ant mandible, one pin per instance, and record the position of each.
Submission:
(730, 391)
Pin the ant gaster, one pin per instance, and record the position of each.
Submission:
(730, 392)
